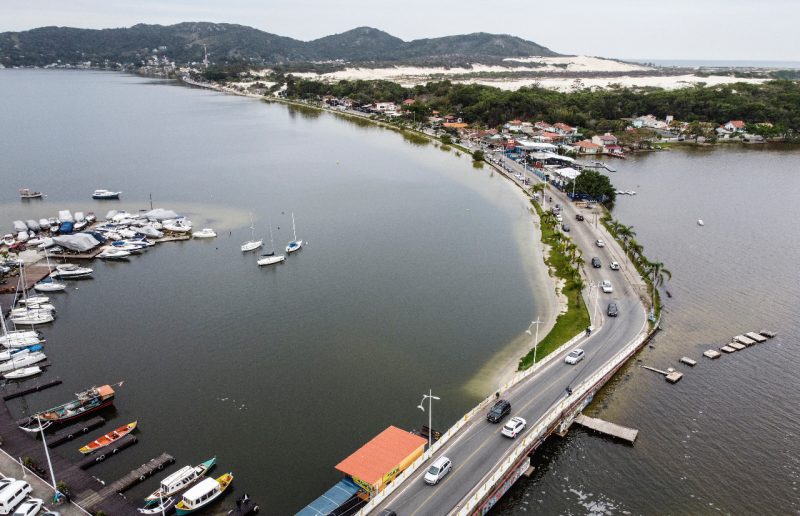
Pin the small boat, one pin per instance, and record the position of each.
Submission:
(79, 216)
(295, 244)
(91, 217)
(108, 438)
(24, 360)
(65, 216)
(12, 342)
(23, 236)
(204, 233)
(86, 402)
(27, 193)
(270, 258)
(105, 194)
(33, 225)
(43, 307)
(700, 222)
(244, 507)
(111, 214)
(163, 506)
(48, 285)
(44, 224)
(70, 270)
(9, 240)
(112, 253)
(181, 480)
(252, 244)
(66, 227)
(180, 225)
(34, 300)
(80, 226)
(18, 352)
(203, 494)
(24, 372)
(33, 317)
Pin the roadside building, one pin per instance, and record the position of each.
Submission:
(587, 147)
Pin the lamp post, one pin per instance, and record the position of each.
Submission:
(537, 322)
(47, 454)
(430, 397)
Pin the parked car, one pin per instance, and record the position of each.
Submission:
(514, 427)
(612, 311)
(606, 287)
(29, 507)
(596, 262)
(565, 228)
(614, 266)
(438, 470)
(498, 411)
(578, 217)
(559, 218)
(575, 356)
(599, 243)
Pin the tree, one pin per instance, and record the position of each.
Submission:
(593, 184)
(477, 155)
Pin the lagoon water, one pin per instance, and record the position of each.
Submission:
(416, 271)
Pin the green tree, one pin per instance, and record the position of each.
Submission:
(477, 155)
(595, 185)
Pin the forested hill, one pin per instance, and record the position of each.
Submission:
(229, 43)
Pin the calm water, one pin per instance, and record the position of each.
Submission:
(725, 439)
(416, 271)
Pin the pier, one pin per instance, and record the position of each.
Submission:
(107, 452)
(73, 431)
(139, 474)
(756, 337)
(40, 386)
(605, 427)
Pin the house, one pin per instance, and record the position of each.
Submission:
(514, 126)
(544, 126)
(723, 133)
(604, 140)
(409, 102)
(384, 107)
(587, 147)
(566, 130)
(649, 122)
(455, 125)
(736, 126)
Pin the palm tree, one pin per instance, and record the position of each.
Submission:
(538, 188)
(636, 250)
(579, 261)
(577, 280)
(625, 232)
(658, 271)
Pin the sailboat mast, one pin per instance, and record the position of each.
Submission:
(294, 231)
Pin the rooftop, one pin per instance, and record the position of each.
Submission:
(380, 455)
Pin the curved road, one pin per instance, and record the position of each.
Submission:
(479, 446)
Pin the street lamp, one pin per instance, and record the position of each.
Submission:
(430, 397)
(537, 322)
(47, 454)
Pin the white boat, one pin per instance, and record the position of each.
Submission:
(34, 300)
(270, 258)
(26, 193)
(203, 494)
(180, 480)
(49, 284)
(25, 360)
(24, 372)
(91, 217)
(105, 194)
(113, 253)
(33, 225)
(13, 342)
(44, 307)
(204, 233)
(80, 226)
(181, 225)
(252, 244)
(700, 222)
(44, 224)
(9, 240)
(111, 213)
(65, 216)
(33, 317)
(70, 270)
(295, 244)
(79, 216)
(22, 236)
(10, 353)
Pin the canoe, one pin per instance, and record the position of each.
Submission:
(109, 438)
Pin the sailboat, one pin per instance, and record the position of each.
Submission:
(252, 244)
(30, 313)
(270, 257)
(295, 244)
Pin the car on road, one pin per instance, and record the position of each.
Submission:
(559, 218)
(578, 217)
(596, 262)
(438, 470)
(30, 507)
(614, 266)
(612, 310)
(514, 427)
(599, 243)
(565, 228)
(498, 411)
(575, 356)
(606, 287)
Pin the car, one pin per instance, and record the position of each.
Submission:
(599, 243)
(387, 512)
(575, 356)
(438, 470)
(606, 287)
(498, 411)
(565, 228)
(29, 507)
(612, 310)
(559, 218)
(514, 427)
(578, 217)
(596, 262)
(614, 266)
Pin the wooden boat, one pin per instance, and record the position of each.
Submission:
(108, 438)
(181, 479)
(203, 494)
(86, 402)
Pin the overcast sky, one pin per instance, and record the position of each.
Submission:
(657, 29)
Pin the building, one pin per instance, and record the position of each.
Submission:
(735, 126)
(564, 129)
(649, 122)
(587, 147)
(384, 107)
(605, 140)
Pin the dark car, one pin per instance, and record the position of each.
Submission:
(612, 311)
(565, 228)
(578, 217)
(596, 262)
(500, 410)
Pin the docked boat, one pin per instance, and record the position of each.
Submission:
(295, 244)
(70, 270)
(204, 233)
(252, 244)
(244, 507)
(44, 224)
(66, 227)
(91, 217)
(180, 480)
(33, 317)
(109, 438)
(32, 225)
(26, 193)
(86, 402)
(65, 216)
(24, 372)
(203, 494)
(113, 253)
(33, 300)
(23, 236)
(162, 506)
(105, 194)
(24, 360)
(18, 352)
(24, 310)
(80, 225)
(48, 285)
(180, 225)
(9, 240)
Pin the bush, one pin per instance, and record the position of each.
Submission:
(478, 155)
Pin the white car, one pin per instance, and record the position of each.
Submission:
(599, 243)
(30, 507)
(438, 470)
(614, 266)
(575, 356)
(514, 427)
(559, 218)
(606, 286)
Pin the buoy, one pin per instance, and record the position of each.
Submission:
(700, 222)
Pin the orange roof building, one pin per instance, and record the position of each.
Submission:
(378, 462)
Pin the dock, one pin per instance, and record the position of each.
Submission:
(611, 429)
(744, 340)
(768, 334)
(737, 346)
(755, 336)
(728, 349)
(107, 452)
(131, 479)
(712, 354)
(33, 275)
(688, 361)
(74, 431)
(670, 375)
(40, 386)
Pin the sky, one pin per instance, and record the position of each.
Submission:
(627, 29)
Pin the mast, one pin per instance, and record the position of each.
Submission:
(271, 243)
(294, 231)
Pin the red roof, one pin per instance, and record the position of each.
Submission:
(381, 455)
(739, 124)
(408, 102)
(563, 126)
(515, 122)
(586, 144)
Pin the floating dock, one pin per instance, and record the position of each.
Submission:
(131, 479)
(107, 452)
(34, 388)
(768, 334)
(737, 346)
(744, 340)
(712, 353)
(73, 431)
(611, 429)
(755, 336)
(688, 361)
(727, 349)
(674, 376)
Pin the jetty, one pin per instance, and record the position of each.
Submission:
(607, 428)
(40, 386)
(670, 375)
(688, 361)
(107, 452)
(744, 340)
(137, 475)
(73, 431)
(755, 336)
(712, 353)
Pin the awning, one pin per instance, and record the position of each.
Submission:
(333, 498)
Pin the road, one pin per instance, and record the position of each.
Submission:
(479, 446)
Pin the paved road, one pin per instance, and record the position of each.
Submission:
(479, 446)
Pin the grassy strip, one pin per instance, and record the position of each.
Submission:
(576, 318)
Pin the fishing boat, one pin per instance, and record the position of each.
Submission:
(181, 480)
(244, 506)
(27, 193)
(204, 233)
(24, 360)
(295, 244)
(24, 372)
(70, 270)
(105, 194)
(252, 244)
(113, 253)
(86, 402)
(270, 258)
(109, 438)
(203, 494)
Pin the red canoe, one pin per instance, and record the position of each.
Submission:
(109, 438)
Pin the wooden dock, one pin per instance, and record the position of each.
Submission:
(737, 346)
(744, 340)
(755, 336)
(712, 354)
(11, 392)
(74, 431)
(727, 349)
(673, 376)
(131, 479)
(688, 361)
(107, 452)
(768, 334)
(33, 275)
(611, 429)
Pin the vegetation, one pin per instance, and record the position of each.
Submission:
(478, 155)
(594, 185)
(565, 260)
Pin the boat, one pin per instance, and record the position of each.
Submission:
(105, 194)
(18, 352)
(9, 240)
(48, 285)
(24, 360)
(44, 224)
(700, 222)
(203, 494)
(23, 236)
(252, 244)
(181, 480)
(86, 402)
(163, 506)
(295, 244)
(32, 317)
(244, 507)
(34, 300)
(80, 226)
(33, 225)
(66, 227)
(180, 225)
(112, 253)
(204, 233)
(91, 217)
(109, 438)
(22, 310)
(70, 270)
(270, 258)
(18, 339)
(24, 372)
(65, 216)
(27, 193)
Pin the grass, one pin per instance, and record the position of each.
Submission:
(576, 318)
